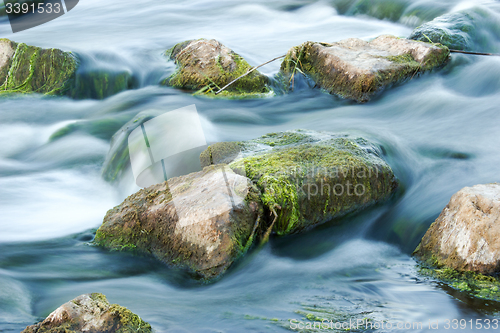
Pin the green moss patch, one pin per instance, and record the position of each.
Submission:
(474, 284)
(33, 69)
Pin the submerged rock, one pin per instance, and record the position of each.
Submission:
(31, 69)
(117, 160)
(90, 313)
(202, 221)
(25, 68)
(466, 236)
(207, 65)
(356, 69)
(472, 29)
(306, 177)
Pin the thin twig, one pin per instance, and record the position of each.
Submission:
(249, 71)
(475, 53)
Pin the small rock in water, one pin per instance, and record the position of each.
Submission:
(356, 69)
(470, 30)
(90, 313)
(466, 236)
(202, 221)
(207, 65)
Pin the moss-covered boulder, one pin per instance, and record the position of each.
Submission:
(462, 247)
(201, 222)
(25, 68)
(472, 29)
(31, 69)
(306, 177)
(356, 69)
(205, 66)
(90, 313)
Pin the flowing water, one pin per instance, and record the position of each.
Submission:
(440, 132)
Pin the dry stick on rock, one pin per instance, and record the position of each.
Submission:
(475, 53)
(249, 71)
(267, 62)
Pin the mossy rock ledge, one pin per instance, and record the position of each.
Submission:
(307, 177)
(462, 247)
(31, 69)
(90, 313)
(205, 66)
(356, 69)
(201, 222)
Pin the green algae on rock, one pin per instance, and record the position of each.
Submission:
(90, 313)
(469, 30)
(31, 69)
(205, 66)
(192, 222)
(307, 178)
(25, 69)
(356, 69)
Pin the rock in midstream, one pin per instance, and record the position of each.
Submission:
(466, 236)
(307, 177)
(90, 313)
(201, 222)
(470, 29)
(207, 65)
(356, 69)
(31, 69)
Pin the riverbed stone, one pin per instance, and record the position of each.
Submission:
(25, 68)
(466, 236)
(30, 69)
(356, 69)
(307, 177)
(207, 65)
(470, 30)
(201, 222)
(90, 313)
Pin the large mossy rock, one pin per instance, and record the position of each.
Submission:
(356, 69)
(201, 222)
(207, 65)
(306, 177)
(31, 69)
(472, 29)
(90, 313)
(466, 236)
(25, 68)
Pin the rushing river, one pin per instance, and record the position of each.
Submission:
(440, 131)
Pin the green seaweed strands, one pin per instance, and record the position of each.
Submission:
(33, 69)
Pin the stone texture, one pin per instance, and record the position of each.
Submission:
(33, 69)
(307, 177)
(466, 236)
(193, 222)
(356, 69)
(90, 313)
(207, 65)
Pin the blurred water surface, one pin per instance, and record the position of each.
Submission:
(440, 133)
